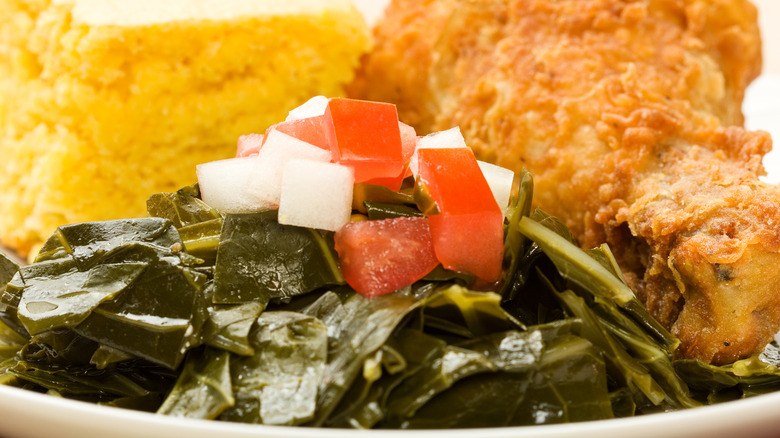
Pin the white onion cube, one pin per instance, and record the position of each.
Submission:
(265, 183)
(222, 184)
(450, 138)
(316, 195)
(500, 180)
(312, 108)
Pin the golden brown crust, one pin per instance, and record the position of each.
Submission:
(618, 107)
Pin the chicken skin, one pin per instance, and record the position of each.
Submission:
(628, 114)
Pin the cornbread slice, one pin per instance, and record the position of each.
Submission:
(103, 102)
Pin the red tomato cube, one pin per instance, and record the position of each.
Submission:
(311, 130)
(381, 256)
(365, 136)
(408, 146)
(468, 233)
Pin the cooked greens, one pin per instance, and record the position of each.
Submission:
(238, 318)
(260, 260)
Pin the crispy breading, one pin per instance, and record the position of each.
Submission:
(628, 114)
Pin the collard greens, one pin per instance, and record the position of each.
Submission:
(237, 318)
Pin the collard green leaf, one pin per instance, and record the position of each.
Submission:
(509, 351)
(441, 275)
(202, 239)
(366, 402)
(645, 323)
(89, 242)
(589, 274)
(755, 375)
(514, 241)
(480, 400)
(228, 327)
(643, 347)
(494, 389)
(58, 361)
(8, 268)
(183, 207)
(706, 377)
(260, 260)
(10, 296)
(203, 389)
(381, 210)
(623, 403)
(146, 403)
(54, 299)
(567, 382)
(575, 265)
(77, 384)
(378, 193)
(628, 370)
(105, 356)
(357, 327)
(10, 342)
(569, 385)
(159, 316)
(278, 385)
(479, 313)
(9, 299)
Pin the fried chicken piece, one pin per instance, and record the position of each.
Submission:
(627, 112)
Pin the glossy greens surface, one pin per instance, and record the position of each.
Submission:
(237, 318)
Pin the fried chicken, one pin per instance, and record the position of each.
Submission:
(628, 114)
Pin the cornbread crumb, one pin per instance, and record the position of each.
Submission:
(104, 102)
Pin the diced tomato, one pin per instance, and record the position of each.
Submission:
(468, 229)
(365, 136)
(310, 130)
(381, 256)
(393, 184)
(408, 146)
(249, 145)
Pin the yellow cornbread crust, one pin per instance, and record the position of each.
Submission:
(94, 118)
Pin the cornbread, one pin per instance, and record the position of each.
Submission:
(103, 102)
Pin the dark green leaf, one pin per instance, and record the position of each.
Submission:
(104, 356)
(202, 239)
(10, 342)
(357, 327)
(59, 361)
(278, 385)
(514, 240)
(203, 389)
(377, 193)
(54, 299)
(159, 316)
(8, 267)
(509, 351)
(569, 385)
(365, 404)
(89, 242)
(478, 312)
(590, 275)
(379, 210)
(622, 366)
(182, 207)
(228, 327)
(260, 260)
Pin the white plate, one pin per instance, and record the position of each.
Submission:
(25, 414)
(30, 415)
